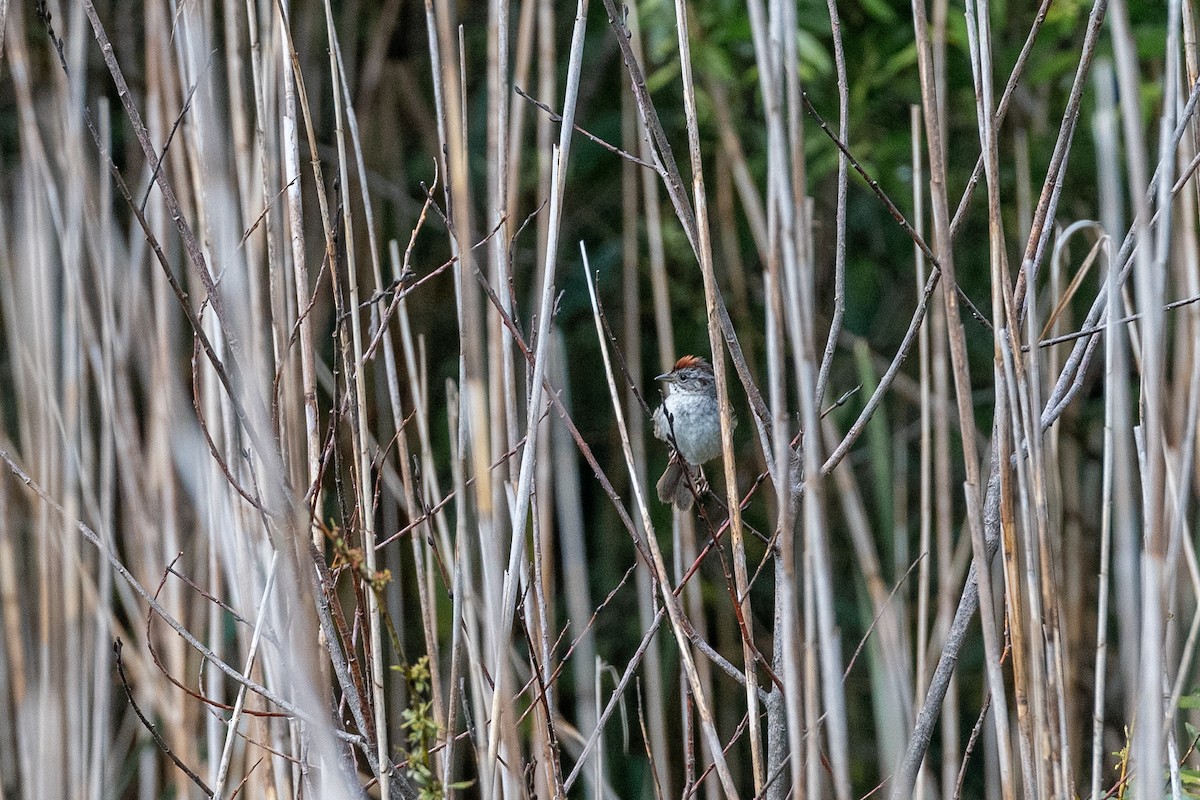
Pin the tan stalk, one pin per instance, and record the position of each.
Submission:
(352, 353)
(718, 360)
(674, 611)
(290, 153)
(925, 518)
(645, 205)
(1024, 634)
(516, 547)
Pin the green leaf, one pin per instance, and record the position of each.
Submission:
(815, 60)
(662, 76)
(879, 10)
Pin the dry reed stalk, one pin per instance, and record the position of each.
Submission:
(1147, 745)
(1185, 343)
(839, 267)
(674, 612)
(711, 291)
(1007, 439)
(504, 390)
(925, 522)
(516, 548)
(664, 337)
(354, 365)
(652, 700)
(786, 742)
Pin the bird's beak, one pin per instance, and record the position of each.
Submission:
(669, 377)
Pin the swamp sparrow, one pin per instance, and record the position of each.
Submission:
(690, 422)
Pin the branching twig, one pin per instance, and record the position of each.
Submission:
(158, 740)
(612, 148)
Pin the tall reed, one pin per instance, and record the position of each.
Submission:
(328, 383)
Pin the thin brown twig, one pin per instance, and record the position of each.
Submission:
(433, 511)
(242, 784)
(612, 148)
(896, 213)
(262, 215)
(615, 348)
(879, 615)
(544, 701)
(202, 423)
(235, 383)
(400, 295)
(738, 611)
(162, 744)
(195, 694)
(187, 105)
(976, 729)
(654, 779)
(269, 635)
(1079, 334)
(741, 728)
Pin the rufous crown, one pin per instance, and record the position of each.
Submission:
(690, 361)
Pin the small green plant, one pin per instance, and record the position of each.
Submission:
(1122, 765)
(421, 730)
(345, 555)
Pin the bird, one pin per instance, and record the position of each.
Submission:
(689, 420)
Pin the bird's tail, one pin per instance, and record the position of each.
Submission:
(675, 485)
